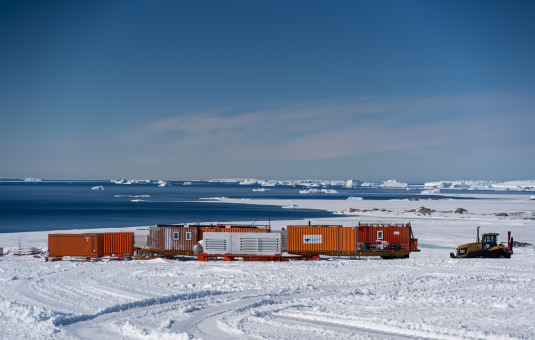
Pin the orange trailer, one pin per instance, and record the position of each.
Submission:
(88, 245)
(384, 240)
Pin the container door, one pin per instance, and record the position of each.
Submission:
(94, 243)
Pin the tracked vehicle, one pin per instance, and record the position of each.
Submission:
(488, 247)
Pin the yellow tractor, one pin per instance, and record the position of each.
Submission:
(488, 247)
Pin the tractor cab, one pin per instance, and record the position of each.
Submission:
(489, 241)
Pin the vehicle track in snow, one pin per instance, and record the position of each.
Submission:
(202, 323)
(341, 327)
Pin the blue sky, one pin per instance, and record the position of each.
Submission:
(412, 90)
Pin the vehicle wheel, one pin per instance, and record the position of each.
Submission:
(502, 256)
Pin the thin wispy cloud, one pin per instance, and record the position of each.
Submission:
(335, 128)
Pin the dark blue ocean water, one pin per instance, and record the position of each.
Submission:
(73, 205)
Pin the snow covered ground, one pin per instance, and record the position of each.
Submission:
(428, 296)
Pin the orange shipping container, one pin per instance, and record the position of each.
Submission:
(321, 239)
(89, 245)
(118, 243)
(396, 235)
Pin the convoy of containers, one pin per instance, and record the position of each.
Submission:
(245, 242)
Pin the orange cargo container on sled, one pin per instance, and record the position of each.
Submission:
(384, 240)
(88, 245)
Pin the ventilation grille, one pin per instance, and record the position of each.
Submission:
(259, 245)
(215, 245)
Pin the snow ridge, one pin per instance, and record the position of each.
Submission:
(64, 319)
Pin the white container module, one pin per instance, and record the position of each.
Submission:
(284, 239)
(216, 243)
(242, 243)
(141, 238)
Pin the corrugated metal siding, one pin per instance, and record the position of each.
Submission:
(90, 245)
(348, 239)
(313, 239)
(118, 243)
(163, 239)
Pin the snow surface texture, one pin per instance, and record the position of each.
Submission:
(428, 296)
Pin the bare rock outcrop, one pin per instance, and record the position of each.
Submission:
(425, 211)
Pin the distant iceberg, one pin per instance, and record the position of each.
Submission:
(139, 181)
(515, 185)
(100, 187)
(261, 189)
(393, 184)
(370, 184)
(318, 191)
(248, 182)
(354, 183)
(269, 183)
(429, 192)
(290, 206)
(188, 183)
(226, 180)
(355, 198)
(164, 184)
(31, 179)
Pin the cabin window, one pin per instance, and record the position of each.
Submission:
(176, 236)
(188, 235)
(489, 241)
(379, 234)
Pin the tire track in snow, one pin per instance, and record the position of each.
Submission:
(341, 327)
(206, 322)
(98, 327)
(201, 323)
